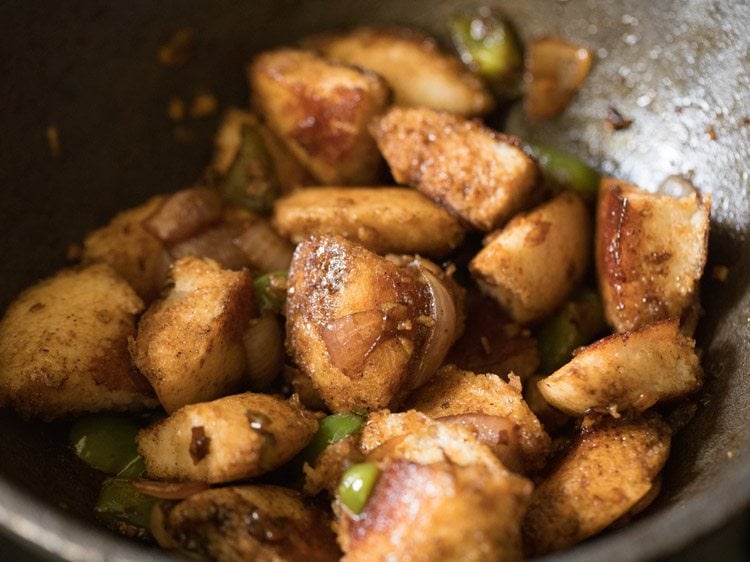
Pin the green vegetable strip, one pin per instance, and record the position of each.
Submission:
(270, 291)
(564, 171)
(577, 323)
(106, 442)
(121, 504)
(251, 180)
(487, 43)
(356, 486)
(332, 428)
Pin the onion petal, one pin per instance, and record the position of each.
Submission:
(216, 243)
(264, 248)
(351, 338)
(556, 69)
(264, 348)
(498, 433)
(169, 490)
(184, 214)
(443, 332)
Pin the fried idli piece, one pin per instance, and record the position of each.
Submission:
(493, 407)
(382, 219)
(366, 331)
(263, 523)
(534, 263)
(492, 342)
(630, 371)
(228, 439)
(189, 344)
(606, 471)
(228, 142)
(131, 250)
(437, 485)
(650, 253)
(64, 346)
(418, 71)
(555, 70)
(439, 511)
(320, 110)
(481, 176)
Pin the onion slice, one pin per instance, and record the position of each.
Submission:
(555, 71)
(184, 213)
(264, 349)
(169, 490)
(444, 331)
(216, 243)
(351, 338)
(264, 248)
(498, 433)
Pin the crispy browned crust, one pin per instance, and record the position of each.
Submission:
(650, 253)
(480, 175)
(133, 252)
(238, 437)
(382, 219)
(453, 392)
(321, 110)
(606, 470)
(420, 73)
(64, 346)
(189, 344)
(630, 371)
(534, 263)
(423, 512)
(262, 523)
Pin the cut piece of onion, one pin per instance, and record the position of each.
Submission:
(351, 338)
(264, 248)
(555, 70)
(264, 349)
(169, 490)
(498, 433)
(443, 331)
(216, 243)
(184, 214)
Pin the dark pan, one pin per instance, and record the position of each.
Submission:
(679, 69)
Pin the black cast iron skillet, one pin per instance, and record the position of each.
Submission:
(678, 68)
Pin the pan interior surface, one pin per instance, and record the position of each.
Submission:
(90, 70)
